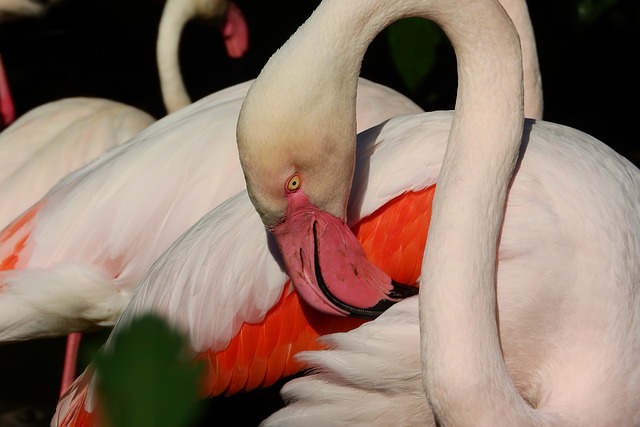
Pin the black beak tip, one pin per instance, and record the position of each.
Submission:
(398, 292)
(401, 291)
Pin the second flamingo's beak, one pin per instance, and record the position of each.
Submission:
(328, 267)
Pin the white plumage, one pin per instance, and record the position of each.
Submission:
(48, 142)
(559, 237)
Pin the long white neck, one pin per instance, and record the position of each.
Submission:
(175, 15)
(533, 98)
(463, 369)
(309, 87)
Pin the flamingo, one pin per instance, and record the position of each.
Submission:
(210, 260)
(528, 313)
(175, 14)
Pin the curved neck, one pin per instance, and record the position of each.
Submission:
(175, 15)
(459, 334)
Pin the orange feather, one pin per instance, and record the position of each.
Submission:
(393, 238)
(14, 237)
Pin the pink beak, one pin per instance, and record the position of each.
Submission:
(328, 267)
(235, 32)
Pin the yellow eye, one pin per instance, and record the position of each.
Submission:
(293, 183)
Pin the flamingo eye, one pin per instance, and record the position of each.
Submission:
(293, 183)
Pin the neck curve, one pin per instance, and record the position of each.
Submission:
(175, 15)
(460, 344)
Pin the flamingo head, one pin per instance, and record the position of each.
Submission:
(298, 162)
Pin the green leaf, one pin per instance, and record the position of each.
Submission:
(146, 378)
(90, 345)
(589, 11)
(412, 44)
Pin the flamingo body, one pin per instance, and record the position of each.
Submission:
(571, 203)
(48, 142)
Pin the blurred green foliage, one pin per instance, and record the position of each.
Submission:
(413, 46)
(147, 378)
(413, 42)
(590, 11)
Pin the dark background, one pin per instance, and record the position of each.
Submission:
(107, 49)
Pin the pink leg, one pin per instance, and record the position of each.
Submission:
(7, 110)
(70, 358)
(235, 32)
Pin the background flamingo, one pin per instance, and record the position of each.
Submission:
(52, 140)
(175, 15)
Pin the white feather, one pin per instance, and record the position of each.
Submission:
(50, 141)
